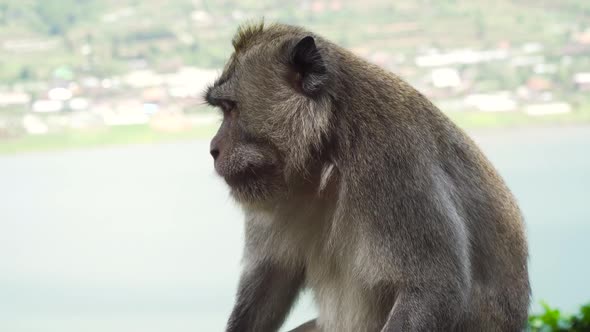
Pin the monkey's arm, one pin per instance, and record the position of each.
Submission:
(431, 300)
(423, 310)
(266, 293)
(430, 238)
(432, 295)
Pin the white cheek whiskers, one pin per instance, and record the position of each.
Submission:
(326, 175)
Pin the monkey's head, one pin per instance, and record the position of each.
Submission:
(277, 111)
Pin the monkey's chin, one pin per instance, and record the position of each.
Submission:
(251, 189)
(254, 194)
(249, 195)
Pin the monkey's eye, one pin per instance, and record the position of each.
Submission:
(227, 105)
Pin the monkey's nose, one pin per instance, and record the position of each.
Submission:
(214, 152)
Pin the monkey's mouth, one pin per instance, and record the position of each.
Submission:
(254, 184)
(248, 176)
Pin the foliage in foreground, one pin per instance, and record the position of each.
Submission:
(552, 320)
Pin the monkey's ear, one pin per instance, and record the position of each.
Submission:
(308, 66)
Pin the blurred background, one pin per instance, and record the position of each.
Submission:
(111, 217)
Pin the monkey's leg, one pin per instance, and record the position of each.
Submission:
(266, 293)
(310, 326)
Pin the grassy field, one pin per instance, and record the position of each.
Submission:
(477, 120)
(144, 134)
(135, 134)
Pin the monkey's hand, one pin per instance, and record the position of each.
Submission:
(265, 295)
(425, 310)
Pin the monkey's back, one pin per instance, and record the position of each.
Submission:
(498, 252)
(407, 135)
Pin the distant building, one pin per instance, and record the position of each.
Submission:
(201, 17)
(79, 104)
(575, 49)
(456, 57)
(539, 84)
(582, 81)
(583, 37)
(532, 47)
(30, 45)
(380, 58)
(545, 68)
(34, 125)
(154, 95)
(60, 94)
(8, 99)
(491, 102)
(189, 82)
(318, 6)
(139, 79)
(121, 112)
(47, 106)
(526, 60)
(547, 108)
(445, 78)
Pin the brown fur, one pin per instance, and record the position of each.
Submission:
(356, 186)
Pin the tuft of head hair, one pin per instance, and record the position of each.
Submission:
(246, 33)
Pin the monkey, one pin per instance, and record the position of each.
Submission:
(356, 187)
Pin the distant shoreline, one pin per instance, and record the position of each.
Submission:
(147, 134)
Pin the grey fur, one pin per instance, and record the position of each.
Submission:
(356, 186)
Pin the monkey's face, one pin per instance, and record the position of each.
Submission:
(275, 114)
(248, 162)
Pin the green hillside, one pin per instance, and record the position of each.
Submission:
(197, 32)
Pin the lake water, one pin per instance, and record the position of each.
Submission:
(145, 238)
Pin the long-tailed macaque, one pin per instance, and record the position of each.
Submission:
(358, 188)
